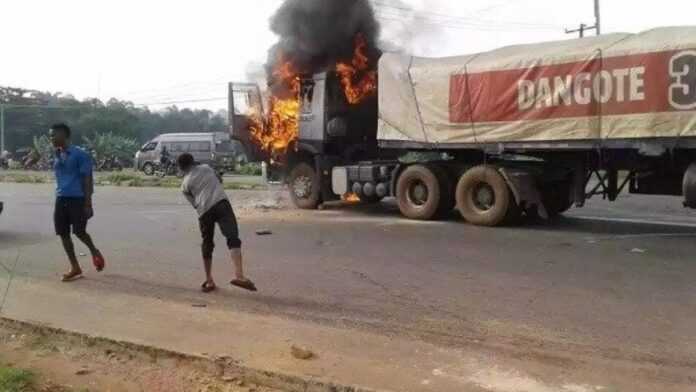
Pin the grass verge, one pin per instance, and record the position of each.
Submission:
(133, 180)
(120, 179)
(24, 178)
(16, 380)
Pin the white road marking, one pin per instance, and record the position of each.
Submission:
(636, 221)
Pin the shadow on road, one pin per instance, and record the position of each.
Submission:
(569, 224)
(13, 240)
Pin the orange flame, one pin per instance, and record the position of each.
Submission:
(275, 133)
(358, 81)
(351, 198)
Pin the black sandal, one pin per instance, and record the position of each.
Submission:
(244, 284)
(208, 287)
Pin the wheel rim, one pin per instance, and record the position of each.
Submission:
(302, 187)
(483, 197)
(148, 170)
(417, 193)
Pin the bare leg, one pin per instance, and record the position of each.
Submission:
(236, 255)
(208, 265)
(70, 251)
(87, 240)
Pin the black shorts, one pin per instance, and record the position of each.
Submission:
(70, 213)
(223, 215)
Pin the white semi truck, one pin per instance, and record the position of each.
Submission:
(519, 130)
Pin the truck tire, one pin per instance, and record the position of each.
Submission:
(484, 198)
(418, 193)
(304, 189)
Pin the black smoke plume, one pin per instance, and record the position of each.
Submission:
(315, 34)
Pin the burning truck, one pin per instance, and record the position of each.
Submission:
(530, 129)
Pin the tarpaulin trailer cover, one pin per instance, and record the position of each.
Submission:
(615, 86)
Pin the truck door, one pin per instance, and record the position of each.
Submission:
(245, 103)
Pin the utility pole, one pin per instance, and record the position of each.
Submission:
(584, 27)
(581, 30)
(598, 18)
(2, 128)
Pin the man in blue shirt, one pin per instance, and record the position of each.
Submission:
(73, 170)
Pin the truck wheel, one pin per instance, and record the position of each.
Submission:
(418, 193)
(483, 197)
(148, 169)
(304, 187)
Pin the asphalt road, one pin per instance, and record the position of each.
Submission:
(611, 281)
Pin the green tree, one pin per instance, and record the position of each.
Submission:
(105, 145)
(32, 112)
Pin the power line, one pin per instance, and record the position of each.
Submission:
(40, 106)
(179, 85)
(387, 15)
(202, 91)
(184, 101)
(457, 19)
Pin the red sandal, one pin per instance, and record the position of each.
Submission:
(99, 262)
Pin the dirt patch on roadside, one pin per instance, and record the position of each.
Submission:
(53, 362)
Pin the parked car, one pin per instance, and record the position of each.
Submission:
(215, 149)
(2, 205)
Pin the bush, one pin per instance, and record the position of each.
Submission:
(121, 179)
(15, 380)
(106, 145)
(22, 178)
(250, 169)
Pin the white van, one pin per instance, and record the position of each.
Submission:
(215, 149)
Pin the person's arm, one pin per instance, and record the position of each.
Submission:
(85, 167)
(187, 193)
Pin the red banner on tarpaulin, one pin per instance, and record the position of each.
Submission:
(645, 83)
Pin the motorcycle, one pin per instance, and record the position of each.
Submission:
(110, 164)
(166, 168)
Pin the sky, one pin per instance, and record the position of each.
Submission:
(160, 52)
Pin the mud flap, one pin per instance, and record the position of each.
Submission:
(523, 186)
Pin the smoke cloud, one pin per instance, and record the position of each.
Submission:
(314, 34)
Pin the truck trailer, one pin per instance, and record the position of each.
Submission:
(528, 129)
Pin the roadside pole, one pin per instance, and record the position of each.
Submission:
(598, 18)
(2, 128)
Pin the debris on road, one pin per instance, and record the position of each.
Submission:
(199, 305)
(638, 250)
(302, 353)
(264, 232)
(269, 205)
